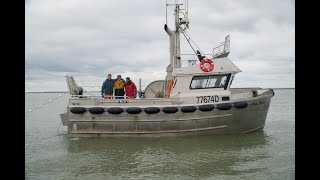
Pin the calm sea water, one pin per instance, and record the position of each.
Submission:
(50, 154)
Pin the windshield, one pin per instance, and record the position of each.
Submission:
(211, 81)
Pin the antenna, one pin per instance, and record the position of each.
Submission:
(187, 13)
(166, 11)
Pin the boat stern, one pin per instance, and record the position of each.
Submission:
(64, 118)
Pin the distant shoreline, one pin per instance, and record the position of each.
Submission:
(282, 88)
(49, 92)
(99, 91)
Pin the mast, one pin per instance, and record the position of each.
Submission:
(174, 36)
(177, 58)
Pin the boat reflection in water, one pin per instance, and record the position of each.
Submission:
(200, 155)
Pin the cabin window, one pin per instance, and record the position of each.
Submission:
(211, 81)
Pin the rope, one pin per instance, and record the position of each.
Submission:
(88, 92)
(188, 42)
(192, 41)
(50, 101)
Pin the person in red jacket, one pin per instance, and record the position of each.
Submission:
(131, 89)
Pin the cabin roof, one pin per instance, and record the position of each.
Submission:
(221, 66)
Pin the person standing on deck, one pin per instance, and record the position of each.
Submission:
(119, 87)
(107, 87)
(131, 89)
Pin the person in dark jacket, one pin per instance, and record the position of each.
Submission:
(131, 89)
(107, 87)
(119, 88)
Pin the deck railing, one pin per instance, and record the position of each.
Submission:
(191, 59)
(223, 48)
(100, 97)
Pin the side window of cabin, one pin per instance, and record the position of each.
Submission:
(211, 81)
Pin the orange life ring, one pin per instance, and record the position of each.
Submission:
(206, 65)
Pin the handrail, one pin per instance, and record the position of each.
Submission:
(195, 54)
(222, 44)
(192, 58)
(111, 97)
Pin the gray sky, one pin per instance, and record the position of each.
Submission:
(90, 38)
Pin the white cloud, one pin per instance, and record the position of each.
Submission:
(91, 38)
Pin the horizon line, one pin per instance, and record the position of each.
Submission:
(99, 91)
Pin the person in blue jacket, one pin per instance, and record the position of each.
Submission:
(107, 87)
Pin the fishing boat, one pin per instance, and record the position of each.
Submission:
(195, 97)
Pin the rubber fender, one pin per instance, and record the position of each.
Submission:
(152, 110)
(133, 110)
(96, 110)
(224, 106)
(170, 109)
(240, 105)
(115, 110)
(188, 109)
(206, 107)
(77, 110)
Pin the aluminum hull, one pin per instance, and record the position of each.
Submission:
(231, 121)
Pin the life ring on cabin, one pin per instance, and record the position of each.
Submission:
(206, 65)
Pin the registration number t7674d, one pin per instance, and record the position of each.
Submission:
(207, 99)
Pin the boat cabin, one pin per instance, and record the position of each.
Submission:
(191, 81)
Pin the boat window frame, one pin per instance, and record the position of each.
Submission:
(175, 82)
(215, 75)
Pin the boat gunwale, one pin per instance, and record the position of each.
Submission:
(163, 120)
(261, 96)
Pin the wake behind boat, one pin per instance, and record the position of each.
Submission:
(194, 98)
